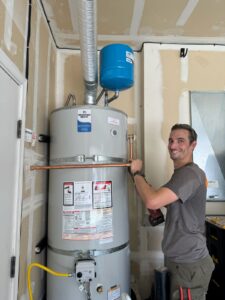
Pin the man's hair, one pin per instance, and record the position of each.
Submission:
(192, 133)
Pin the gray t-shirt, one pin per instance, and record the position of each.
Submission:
(184, 235)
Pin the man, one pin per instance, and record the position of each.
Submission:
(184, 196)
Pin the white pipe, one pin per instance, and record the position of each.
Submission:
(125, 296)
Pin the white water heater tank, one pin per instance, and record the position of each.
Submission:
(88, 232)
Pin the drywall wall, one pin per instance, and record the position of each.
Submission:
(13, 30)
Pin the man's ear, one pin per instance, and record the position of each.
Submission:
(193, 144)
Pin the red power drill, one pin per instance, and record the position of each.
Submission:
(156, 217)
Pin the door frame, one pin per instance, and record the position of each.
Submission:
(12, 70)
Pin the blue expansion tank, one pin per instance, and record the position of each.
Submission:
(116, 67)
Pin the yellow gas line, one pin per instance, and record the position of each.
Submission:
(45, 269)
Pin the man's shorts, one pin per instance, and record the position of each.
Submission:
(190, 278)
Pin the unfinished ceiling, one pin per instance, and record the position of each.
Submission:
(135, 22)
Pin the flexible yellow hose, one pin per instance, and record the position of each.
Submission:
(45, 269)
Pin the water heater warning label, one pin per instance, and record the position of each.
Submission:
(84, 120)
(102, 194)
(68, 194)
(87, 210)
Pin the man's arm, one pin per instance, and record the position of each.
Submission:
(152, 198)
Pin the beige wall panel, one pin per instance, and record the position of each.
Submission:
(35, 182)
(30, 92)
(60, 9)
(52, 81)
(27, 173)
(20, 15)
(43, 86)
(154, 114)
(34, 17)
(26, 189)
(18, 58)
(38, 276)
(133, 220)
(154, 238)
(41, 183)
(71, 42)
(161, 19)
(23, 257)
(135, 268)
(180, 18)
(39, 228)
(31, 71)
(124, 102)
(43, 74)
(110, 9)
(12, 39)
(211, 24)
(73, 78)
(171, 89)
(207, 70)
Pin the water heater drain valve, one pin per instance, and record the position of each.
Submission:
(85, 270)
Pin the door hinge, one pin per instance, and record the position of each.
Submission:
(12, 266)
(19, 129)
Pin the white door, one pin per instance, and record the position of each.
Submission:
(11, 103)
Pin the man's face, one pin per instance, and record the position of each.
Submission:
(179, 145)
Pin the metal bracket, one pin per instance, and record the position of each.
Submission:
(19, 129)
(183, 52)
(12, 266)
(43, 138)
(41, 246)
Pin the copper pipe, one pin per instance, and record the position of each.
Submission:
(131, 139)
(79, 166)
(131, 151)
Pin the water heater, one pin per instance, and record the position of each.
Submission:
(88, 232)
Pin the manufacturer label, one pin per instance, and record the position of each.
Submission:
(84, 120)
(113, 121)
(129, 57)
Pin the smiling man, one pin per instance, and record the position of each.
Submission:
(184, 196)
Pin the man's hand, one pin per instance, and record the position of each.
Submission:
(136, 166)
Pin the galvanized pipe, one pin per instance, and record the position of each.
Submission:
(88, 45)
